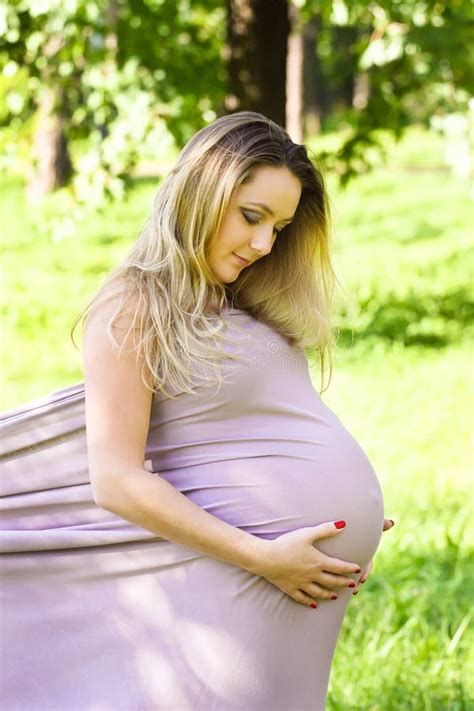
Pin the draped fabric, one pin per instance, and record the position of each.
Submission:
(48, 502)
(98, 614)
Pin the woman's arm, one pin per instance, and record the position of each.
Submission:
(153, 503)
(117, 422)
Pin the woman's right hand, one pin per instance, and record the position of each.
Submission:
(295, 566)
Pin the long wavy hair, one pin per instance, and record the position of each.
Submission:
(165, 282)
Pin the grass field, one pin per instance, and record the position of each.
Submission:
(402, 384)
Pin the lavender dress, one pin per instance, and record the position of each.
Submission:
(102, 615)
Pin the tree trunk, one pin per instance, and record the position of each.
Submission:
(52, 165)
(294, 84)
(312, 109)
(361, 90)
(255, 51)
(346, 38)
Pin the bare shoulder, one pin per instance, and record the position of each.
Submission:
(120, 301)
(118, 402)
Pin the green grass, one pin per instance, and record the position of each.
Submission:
(404, 644)
(402, 384)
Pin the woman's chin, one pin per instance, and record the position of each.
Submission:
(227, 274)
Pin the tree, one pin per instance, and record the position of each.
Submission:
(255, 54)
(402, 62)
(109, 71)
(124, 74)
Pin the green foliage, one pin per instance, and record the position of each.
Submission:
(131, 76)
(134, 74)
(413, 57)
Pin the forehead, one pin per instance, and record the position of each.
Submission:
(277, 187)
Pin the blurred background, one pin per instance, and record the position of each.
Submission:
(97, 97)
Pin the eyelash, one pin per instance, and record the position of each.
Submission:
(255, 222)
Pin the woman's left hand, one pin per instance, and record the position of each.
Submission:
(387, 524)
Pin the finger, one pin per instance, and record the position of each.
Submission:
(338, 566)
(365, 572)
(316, 591)
(363, 578)
(302, 597)
(329, 580)
(323, 530)
(360, 582)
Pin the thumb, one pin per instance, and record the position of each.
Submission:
(328, 528)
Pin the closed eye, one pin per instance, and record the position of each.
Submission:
(251, 221)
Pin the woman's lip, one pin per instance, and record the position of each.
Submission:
(242, 261)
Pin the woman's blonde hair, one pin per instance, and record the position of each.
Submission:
(167, 282)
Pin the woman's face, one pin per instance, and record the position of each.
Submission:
(250, 230)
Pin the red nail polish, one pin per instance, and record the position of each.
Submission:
(351, 585)
(339, 524)
(333, 597)
(314, 605)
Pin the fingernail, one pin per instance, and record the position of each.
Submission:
(393, 522)
(333, 597)
(314, 605)
(339, 524)
(355, 593)
(351, 585)
(358, 570)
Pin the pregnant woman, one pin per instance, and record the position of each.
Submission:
(241, 514)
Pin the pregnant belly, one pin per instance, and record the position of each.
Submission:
(271, 495)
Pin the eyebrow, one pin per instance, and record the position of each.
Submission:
(269, 210)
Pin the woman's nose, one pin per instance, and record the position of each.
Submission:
(262, 241)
